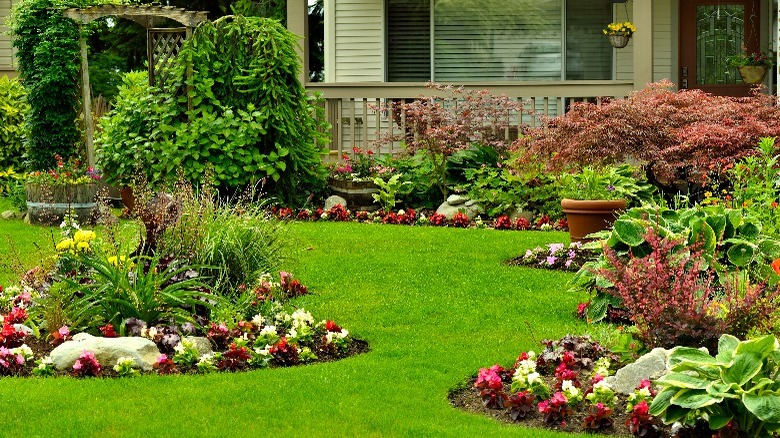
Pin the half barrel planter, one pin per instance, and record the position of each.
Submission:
(47, 204)
(590, 215)
(357, 193)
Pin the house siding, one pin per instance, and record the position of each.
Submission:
(6, 51)
(358, 48)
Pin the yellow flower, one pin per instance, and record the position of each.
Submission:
(81, 246)
(65, 245)
(84, 236)
(708, 194)
(114, 260)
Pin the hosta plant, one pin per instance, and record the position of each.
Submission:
(740, 385)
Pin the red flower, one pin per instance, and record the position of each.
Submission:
(108, 331)
(331, 326)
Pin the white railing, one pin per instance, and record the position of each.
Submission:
(351, 108)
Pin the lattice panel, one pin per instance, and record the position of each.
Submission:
(164, 47)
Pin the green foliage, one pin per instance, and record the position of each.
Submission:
(276, 9)
(621, 182)
(126, 145)
(740, 383)
(137, 288)
(234, 242)
(496, 190)
(47, 47)
(64, 306)
(250, 117)
(730, 239)
(417, 170)
(756, 183)
(387, 191)
(13, 108)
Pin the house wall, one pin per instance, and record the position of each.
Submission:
(6, 52)
(664, 42)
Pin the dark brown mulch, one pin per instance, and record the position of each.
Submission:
(467, 399)
(41, 348)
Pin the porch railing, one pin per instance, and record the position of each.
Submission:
(350, 108)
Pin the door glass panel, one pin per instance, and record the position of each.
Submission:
(720, 32)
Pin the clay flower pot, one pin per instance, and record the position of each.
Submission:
(589, 216)
(752, 74)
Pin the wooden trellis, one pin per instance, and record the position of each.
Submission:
(162, 44)
(163, 48)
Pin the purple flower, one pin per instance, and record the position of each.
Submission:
(572, 254)
(551, 260)
(610, 188)
(567, 264)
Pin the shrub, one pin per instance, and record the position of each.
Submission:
(755, 182)
(686, 134)
(438, 128)
(47, 47)
(674, 300)
(13, 108)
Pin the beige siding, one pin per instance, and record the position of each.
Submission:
(664, 42)
(6, 58)
(358, 48)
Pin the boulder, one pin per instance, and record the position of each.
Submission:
(333, 201)
(107, 350)
(457, 199)
(449, 210)
(203, 345)
(519, 212)
(8, 214)
(650, 366)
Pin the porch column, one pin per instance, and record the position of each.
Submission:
(298, 23)
(643, 43)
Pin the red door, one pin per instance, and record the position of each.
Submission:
(710, 31)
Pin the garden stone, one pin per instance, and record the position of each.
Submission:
(457, 199)
(519, 212)
(650, 366)
(333, 201)
(203, 345)
(23, 328)
(8, 214)
(107, 350)
(449, 211)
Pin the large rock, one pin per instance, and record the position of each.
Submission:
(203, 345)
(107, 350)
(457, 199)
(8, 214)
(333, 201)
(449, 210)
(519, 212)
(650, 366)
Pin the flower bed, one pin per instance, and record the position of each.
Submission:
(411, 217)
(561, 388)
(557, 256)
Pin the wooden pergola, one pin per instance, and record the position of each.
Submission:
(163, 44)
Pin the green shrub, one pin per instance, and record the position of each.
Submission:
(47, 47)
(13, 107)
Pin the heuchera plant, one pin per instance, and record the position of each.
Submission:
(555, 410)
(87, 365)
(237, 357)
(490, 382)
(600, 418)
(520, 405)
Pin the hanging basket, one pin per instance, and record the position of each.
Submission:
(752, 74)
(619, 41)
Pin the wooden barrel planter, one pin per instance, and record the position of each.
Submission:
(47, 204)
(357, 193)
(589, 216)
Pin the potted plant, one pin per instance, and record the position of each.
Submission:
(619, 33)
(353, 178)
(69, 187)
(593, 196)
(752, 66)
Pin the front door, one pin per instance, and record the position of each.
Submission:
(710, 31)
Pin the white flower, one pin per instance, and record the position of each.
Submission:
(206, 359)
(293, 334)
(302, 317)
(263, 351)
(149, 333)
(267, 330)
(258, 320)
(645, 392)
(283, 317)
(24, 350)
(324, 216)
(179, 348)
(533, 377)
(400, 212)
(47, 361)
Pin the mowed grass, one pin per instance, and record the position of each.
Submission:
(435, 305)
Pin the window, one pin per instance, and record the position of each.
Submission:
(497, 40)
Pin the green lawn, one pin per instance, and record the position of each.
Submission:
(435, 304)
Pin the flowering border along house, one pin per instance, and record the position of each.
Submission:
(546, 53)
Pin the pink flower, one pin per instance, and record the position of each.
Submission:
(64, 331)
(642, 408)
(543, 406)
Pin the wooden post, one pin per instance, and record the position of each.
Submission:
(298, 23)
(643, 43)
(86, 95)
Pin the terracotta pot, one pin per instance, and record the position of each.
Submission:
(47, 204)
(357, 193)
(590, 216)
(752, 74)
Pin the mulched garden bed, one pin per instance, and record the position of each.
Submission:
(555, 256)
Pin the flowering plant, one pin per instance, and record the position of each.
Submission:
(766, 59)
(71, 172)
(125, 367)
(362, 166)
(603, 183)
(87, 365)
(620, 28)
